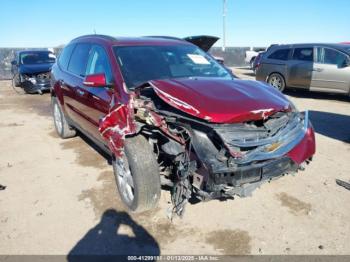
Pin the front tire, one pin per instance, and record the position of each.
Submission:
(63, 129)
(137, 175)
(277, 81)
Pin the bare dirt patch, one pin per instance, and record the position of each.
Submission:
(11, 125)
(103, 197)
(295, 206)
(230, 242)
(85, 154)
(25, 103)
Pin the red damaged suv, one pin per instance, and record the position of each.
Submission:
(170, 115)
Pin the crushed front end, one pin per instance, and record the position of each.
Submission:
(210, 160)
(35, 82)
(239, 157)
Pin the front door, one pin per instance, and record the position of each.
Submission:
(95, 101)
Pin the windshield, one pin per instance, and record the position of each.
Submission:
(30, 58)
(140, 64)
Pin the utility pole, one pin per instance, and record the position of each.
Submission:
(224, 26)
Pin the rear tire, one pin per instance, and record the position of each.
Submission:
(137, 175)
(277, 81)
(63, 129)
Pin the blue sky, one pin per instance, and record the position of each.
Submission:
(41, 23)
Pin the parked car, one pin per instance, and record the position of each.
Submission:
(251, 54)
(169, 114)
(31, 70)
(257, 61)
(315, 67)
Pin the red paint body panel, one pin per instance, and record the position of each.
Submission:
(221, 101)
(115, 126)
(305, 149)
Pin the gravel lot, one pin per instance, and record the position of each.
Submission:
(60, 195)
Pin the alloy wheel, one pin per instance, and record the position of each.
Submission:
(57, 118)
(124, 178)
(276, 82)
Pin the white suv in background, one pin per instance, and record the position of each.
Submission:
(251, 54)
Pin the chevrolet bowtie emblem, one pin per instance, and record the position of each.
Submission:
(273, 146)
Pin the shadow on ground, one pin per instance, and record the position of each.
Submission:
(315, 95)
(91, 143)
(105, 239)
(332, 125)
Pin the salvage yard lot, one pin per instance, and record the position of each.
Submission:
(60, 195)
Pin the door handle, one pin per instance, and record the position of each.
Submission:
(80, 92)
(317, 69)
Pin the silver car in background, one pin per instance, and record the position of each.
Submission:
(315, 67)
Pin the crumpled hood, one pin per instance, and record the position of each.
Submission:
(35, 68)
(221, 101)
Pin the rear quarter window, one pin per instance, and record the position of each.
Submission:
(281, 54)
(65, 55)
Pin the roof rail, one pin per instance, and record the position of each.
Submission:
(165, 37)
(107, 37)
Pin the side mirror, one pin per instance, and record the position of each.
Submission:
(13, 62)
(95, 80)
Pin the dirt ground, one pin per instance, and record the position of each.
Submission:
(60, 195)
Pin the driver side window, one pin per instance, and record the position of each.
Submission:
(333, 57)
(98, 63)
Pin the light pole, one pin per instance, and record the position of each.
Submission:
(224, 26)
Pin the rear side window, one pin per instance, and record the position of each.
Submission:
(281, 54)
(77, 63)
(304, 54)
(63, 60)
(333, 57)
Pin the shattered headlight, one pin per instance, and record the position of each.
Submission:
(31, 79)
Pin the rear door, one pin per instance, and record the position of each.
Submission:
(73, 80)
(274, 62)
(62, 76)
(331, 73)
(94, 102)
(300, 67)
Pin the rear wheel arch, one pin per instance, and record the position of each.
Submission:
(279, 73)
(63, 129)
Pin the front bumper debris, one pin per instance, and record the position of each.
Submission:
(35, 83)
(255, 160)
